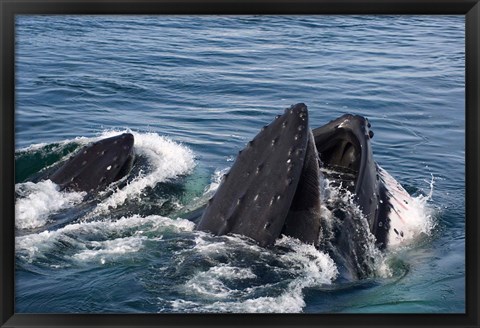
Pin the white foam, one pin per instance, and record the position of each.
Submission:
(225, 244)
(338, 196)
(40, 200)
(79, 235)
(216, 180)
(210, 283)
(102, 251)
(308, 267)
(307, 260)
(167, 160)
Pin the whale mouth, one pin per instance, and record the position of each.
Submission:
(340, 154)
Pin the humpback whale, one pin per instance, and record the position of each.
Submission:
(97, 165)
(274, 188)
(344, 145)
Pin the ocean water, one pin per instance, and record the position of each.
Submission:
(194, 90)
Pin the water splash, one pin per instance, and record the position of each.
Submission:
(166, 159)
(37, 201)
(85, 241)
(226, 285)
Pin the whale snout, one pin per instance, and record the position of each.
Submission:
(127, 138)
(97, 165)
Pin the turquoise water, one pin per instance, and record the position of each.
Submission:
(194, 90)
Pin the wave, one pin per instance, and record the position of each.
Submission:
(274, 283)
(86, 241)
(37, 201)
(164, 160)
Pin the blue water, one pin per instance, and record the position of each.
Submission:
(194, 90)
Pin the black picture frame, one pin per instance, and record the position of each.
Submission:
(10, 8)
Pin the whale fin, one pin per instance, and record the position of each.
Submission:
(255, 195)
(97, 165)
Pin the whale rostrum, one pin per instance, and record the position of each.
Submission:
(97, 165)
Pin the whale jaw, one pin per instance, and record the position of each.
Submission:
(256, 195)
(97, 165)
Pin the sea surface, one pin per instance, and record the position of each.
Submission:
(194, 90)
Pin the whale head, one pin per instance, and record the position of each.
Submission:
(97, 165)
